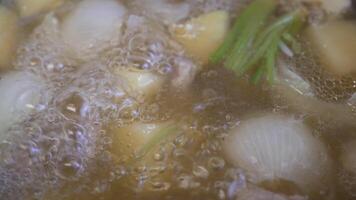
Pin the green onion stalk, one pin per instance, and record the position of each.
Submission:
(254, 40)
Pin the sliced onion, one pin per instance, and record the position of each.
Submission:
(21, 93)
(92, 25)
(277, 147)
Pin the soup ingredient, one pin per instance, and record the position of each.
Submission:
(92, 25)
(139, 146)
(137, 139)
(185, 72)
(21, 94)
(253, 42)
(33, 7)
(276, 147)
(8, 36)
(298, 95)
(335, 44)
(254, 193)
(164, 10)
(295, 92)
(336, 6)
(143, 83)
(348, 157)
(201, 36)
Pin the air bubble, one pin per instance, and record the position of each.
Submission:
(179, 152)
(216, 163)
(158, 156)
(327, 86)
(160, 185)
(69, 167)
(35, 61)
(158, 168)
(187, 182)
(200, 172)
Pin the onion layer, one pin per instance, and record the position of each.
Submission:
(276, 147)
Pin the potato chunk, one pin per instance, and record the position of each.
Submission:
(131, 140)
(201, 36)
(29, 8)
(335, 43)
(8, 36)
(142, 83)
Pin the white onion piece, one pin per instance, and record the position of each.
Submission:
(21, 93)
(348, 157)
(92, 25)
(276, 147)
(164, 10)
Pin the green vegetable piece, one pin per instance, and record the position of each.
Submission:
(254, 42)
(248, 22)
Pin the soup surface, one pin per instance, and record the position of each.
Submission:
(177, 99)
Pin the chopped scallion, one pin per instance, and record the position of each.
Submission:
(253, 43)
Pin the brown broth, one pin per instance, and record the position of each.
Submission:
(67, 149)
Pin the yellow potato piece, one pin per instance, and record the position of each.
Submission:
(201, 36)
(8, 37)
(335, 43)
(142, 83)
(129, 141)
(130, 146)
(33, 7)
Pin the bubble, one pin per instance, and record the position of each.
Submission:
(42, 52)
(187, 182)
(216, 163)
(73, 106)
(158, 156)
(328, 87)
(204, 6)
(160, 185)
(179, 152)
(69, 167)
(158, 168)
(200, 172)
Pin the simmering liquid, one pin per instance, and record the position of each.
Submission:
(103, 102)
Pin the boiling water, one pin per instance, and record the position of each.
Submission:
(65, 149)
